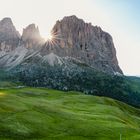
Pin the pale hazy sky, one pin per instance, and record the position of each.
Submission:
(121, 18)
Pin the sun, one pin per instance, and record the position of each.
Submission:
(49, 37)
(52, 38)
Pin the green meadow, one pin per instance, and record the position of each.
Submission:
(45, 114)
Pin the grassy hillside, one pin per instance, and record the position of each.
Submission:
(43, 114)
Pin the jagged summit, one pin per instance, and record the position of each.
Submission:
(87, 43)
(73, 38)
(72, 18)
(8, 30)
(9, 36)
(31, 34)
(6, 20)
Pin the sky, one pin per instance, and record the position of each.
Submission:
(121, 18)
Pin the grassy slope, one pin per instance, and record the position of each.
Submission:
(43, 114)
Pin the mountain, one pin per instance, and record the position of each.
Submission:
(79, 57)
(79, 61)
(8, 31)
(86, 43)
(72, 38)
(31, 37)
(9, 36)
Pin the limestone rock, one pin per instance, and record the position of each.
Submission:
(72, 38)
(9, 36)
(90, 44)
(31, 36)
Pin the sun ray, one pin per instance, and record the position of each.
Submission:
(53, 38)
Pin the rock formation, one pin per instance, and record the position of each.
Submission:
(72, 38)
(31, 36)
(9, 36)
(90, 44)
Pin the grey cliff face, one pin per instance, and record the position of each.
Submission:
(9, 36)
(72, 38)
(31, 36)
(90, 44)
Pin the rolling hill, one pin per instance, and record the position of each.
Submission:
(45, 114)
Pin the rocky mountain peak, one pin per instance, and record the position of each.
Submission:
(72, 18)
(87, 43)
(31, 34)
(7, 21)
(8, 30)
(9, 36)
(73, 38)
(69, 23)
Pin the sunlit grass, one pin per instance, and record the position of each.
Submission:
(45, 114)
(1, 93)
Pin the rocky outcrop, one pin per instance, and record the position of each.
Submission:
(9, 36)
(90, 44)
(31, 36)
(72, 38)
